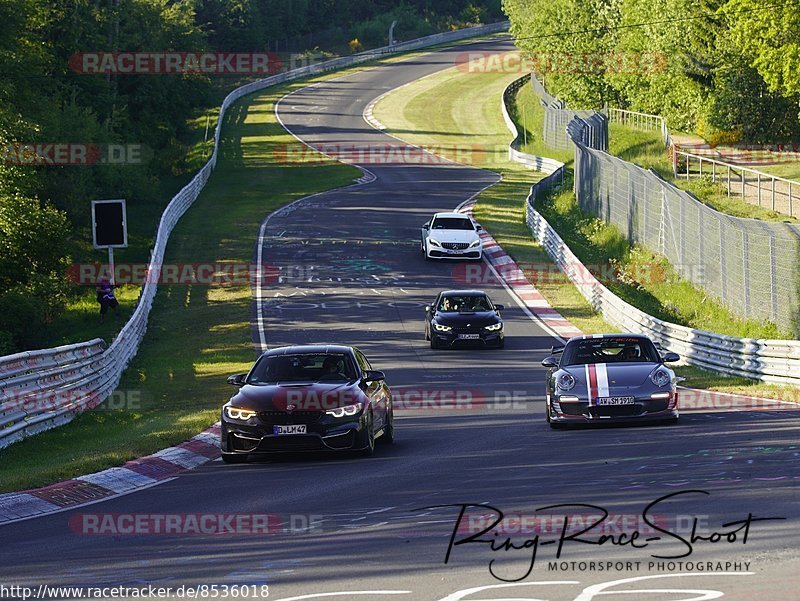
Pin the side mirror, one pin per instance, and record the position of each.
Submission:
(478, 227)
(428, 308)
(550, 362)
(499, 307)
(426, 225)
(237, 380)
(374, 375)
(671, 357)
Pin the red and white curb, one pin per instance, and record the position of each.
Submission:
(134, 475)
(370, 118)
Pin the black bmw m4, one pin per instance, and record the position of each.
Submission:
(464, 317)
(307, 398)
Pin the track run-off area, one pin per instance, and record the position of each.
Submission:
(687, 504)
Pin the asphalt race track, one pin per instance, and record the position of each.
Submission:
(470, 430)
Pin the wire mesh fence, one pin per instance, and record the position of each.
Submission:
(751, 266)
(557, 116)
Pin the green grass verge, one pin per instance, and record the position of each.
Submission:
(456, 108)
(528, 114)
(196, 334)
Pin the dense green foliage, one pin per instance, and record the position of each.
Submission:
(729, 69)
(44, 209)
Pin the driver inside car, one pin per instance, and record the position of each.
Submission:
(630, 353)
(331, 368)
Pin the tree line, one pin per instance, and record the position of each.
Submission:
(47, 106)
(726, 69)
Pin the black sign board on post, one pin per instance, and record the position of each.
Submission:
(109, 228)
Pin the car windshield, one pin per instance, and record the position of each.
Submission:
(302, 367)
(451, 223)
(610, 350)
(464, 304)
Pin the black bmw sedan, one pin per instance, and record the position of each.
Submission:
(307, 398)
(460, 317)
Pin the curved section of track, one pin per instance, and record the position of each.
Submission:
(470, 428)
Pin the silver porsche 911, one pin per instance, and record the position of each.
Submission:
(610, 377)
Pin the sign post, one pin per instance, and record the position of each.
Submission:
(109, 228)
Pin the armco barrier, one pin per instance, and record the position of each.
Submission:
(772, 361)
(44, 389)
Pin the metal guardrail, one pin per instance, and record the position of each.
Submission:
(534, 162)
(44, 389)
(771, 361)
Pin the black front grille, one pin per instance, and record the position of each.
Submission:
(455, 245)
(469, 330)
(283, 418)
(573, 408)
(291, 443)
(616, 410)
(658, 405)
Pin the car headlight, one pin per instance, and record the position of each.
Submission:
(440, 328)
(565, 382)
(494, 327)
(660, 377)
(346, 411)
(475, 243)
(239, 413)
(434, 242)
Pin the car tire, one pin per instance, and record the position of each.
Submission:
(434, 344)
(234, 458)
(369, 433)
(388, 431)
(427, 334)
(501, 343)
